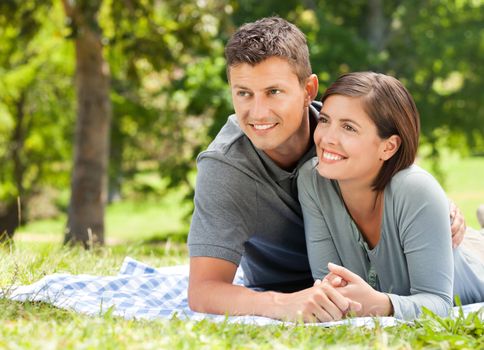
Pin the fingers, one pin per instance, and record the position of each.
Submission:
(354, 307)
(453, 210)
(335, 280)
(457, 238)
(331, 304)
(343, 272)
(458, 226)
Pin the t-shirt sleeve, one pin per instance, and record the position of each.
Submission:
(422, 215)
(320, 245)
(225, 211)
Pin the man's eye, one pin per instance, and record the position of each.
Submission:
(242, 93)
(274, 91)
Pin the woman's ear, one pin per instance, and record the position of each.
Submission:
(390, 147)
(311, 88)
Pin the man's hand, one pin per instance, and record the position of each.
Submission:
(211, 290)
(458, 224)
(353, 287)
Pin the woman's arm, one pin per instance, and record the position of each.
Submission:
(420, 211)
(320, 245)
(422, 217)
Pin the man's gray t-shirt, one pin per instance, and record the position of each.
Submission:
(413, 261)
(247, 212)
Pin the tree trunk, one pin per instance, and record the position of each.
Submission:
(9, 221)
(10, 212)
(91, 150)
(376, 25)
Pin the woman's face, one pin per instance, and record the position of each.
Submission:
(347, 144)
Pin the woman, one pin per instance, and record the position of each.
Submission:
(368, 208)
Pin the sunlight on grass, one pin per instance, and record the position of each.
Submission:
(125, 221)
(464, 183)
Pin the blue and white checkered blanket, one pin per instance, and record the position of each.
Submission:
(140, 291)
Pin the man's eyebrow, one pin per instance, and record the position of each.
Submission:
(238, 86)
(272, 87)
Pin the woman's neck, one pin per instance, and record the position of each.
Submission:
(365, 207)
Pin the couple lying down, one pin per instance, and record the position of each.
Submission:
(375, 239)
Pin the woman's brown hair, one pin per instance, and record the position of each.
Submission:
(391, 107)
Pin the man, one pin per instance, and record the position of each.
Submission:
(246, 207)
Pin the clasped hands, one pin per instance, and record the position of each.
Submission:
(340, 294)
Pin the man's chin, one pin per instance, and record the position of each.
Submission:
(263, 145)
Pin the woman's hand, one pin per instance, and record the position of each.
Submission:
(353, 287)
(320, 303)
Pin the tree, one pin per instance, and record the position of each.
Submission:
(85, 221)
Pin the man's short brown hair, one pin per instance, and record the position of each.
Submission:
(269, 37)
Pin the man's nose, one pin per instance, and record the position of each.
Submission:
(260, 108)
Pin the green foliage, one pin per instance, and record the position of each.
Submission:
(438, 57)
(166, 65)
(36, 100)
(169, 91)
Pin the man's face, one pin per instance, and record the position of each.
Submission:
(270, 105)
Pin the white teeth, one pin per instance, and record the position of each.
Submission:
(263, 126)
(331, 156)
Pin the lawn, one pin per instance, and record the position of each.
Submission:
(153, 232)
(464, 183)
(40, 326)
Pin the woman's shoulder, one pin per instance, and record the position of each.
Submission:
(308, 172)
(415, 182)
(413, 175)
(309, 182)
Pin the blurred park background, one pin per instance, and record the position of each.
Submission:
(104, 105)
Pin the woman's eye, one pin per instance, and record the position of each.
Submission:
(322, 119)
(349, 128)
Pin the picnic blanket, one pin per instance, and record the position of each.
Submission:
(140, 291)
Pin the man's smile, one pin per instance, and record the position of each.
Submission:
(263, 126)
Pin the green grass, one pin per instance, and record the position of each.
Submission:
(132, 221)
(40, 326)
(140, 230)
(464, 183)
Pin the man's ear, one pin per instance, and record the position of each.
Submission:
(390, 147)
(311, 88)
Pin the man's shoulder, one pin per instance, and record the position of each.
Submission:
(231, 149)
(229, 135)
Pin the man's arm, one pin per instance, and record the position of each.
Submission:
(211, 291)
